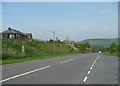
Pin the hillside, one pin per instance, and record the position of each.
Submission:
(12, 49)
(99, 43)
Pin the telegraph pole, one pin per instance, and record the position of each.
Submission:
(67, 39)
(54, 40)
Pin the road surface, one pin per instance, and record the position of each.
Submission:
(76, 69)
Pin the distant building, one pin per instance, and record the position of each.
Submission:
(40, 40)
(29, 35)
(69, 42)
(15, 34)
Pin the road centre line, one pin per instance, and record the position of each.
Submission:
(88, 72)
(91, 68)
(67, 60)
(86, 77)
(24, 74)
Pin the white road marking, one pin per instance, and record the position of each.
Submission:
(24, 74)
(94, 63)
(67, 60)
(88, 72)
(91, 68)
(85, 79)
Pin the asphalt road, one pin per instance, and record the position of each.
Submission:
(77, 69)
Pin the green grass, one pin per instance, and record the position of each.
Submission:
(111, 54)
(34, 50)
(11, 61)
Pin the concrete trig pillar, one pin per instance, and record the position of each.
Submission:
(23, 49)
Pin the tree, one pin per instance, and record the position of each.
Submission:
(113, 48)
(87, 45)
(84, 47)
(50, 40)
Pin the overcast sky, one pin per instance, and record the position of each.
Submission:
(78, 20)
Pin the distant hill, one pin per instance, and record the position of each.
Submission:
(99, 43)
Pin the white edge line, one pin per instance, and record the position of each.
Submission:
(67, 60)
(24, 74)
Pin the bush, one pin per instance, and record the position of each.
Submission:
(12, 49)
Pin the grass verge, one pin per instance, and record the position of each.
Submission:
(12, 61)
(111, 54)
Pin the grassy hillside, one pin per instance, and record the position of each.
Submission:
(12, 49)
(100, 43)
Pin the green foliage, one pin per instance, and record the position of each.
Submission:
(112, 50)
(12, 49)
(99, 44)
(84, 47)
